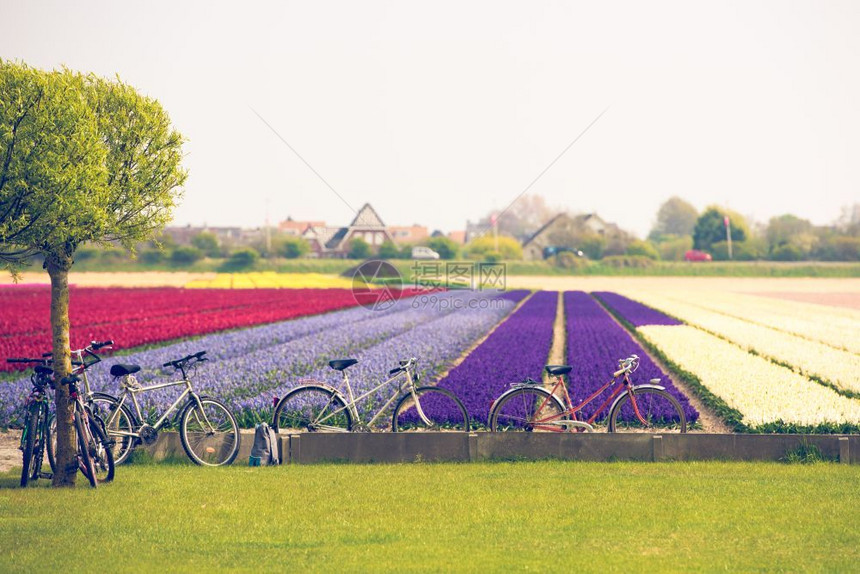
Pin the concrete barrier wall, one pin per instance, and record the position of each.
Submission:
(428, 447)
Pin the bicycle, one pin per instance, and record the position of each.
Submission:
(95, 455)
(98, 402)
(319, 407)
(36, 433)
(207, 429)
(530, 407)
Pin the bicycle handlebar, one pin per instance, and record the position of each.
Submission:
(405, 365)
(627, 365)
(183, 360)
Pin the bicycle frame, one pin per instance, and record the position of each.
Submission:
(351, 407)
(555, 422)
(188, 392)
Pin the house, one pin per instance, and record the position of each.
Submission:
(334, 241)
(296, 228)
(564, 230)
(408, 234)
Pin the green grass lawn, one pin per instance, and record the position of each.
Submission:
(487, 517)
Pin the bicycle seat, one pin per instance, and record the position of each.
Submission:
(120, 370)
(558, 369)
(342, 364)
(43, 370)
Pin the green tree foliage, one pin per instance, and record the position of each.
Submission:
(673, 248)
(206, 242)
(185, 255)
(749, 250)
(358, 249)
(445, 247)
(82, 159)
(484, 248)
(242, 259)
(293, 247)
(643, 248)
(593, 246)
(710, 227)
(675, 217)
(388, 250)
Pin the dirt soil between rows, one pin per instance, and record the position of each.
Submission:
(10, 456)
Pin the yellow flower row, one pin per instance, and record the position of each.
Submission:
(833, 326)
(762, 391)
(841, 368)
(271, 280)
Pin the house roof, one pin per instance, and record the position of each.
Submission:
(544, 227)
(367, 217)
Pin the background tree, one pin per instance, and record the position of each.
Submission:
(358, 249)
(242, 259)
(522, 219)
(81, 160)
(675, 217)
(388, 250)
(185, 255)
(710, 227)
(485, 248)
(293, 247)
(446, 248)
(207, 242)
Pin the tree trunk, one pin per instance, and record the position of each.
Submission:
(66, 454)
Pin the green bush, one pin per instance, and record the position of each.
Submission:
(567, 260)
(643, 248)
(593, 246)
(359, 249)
(151, 256)
(741, 251)
(207, 243)
(185, 255)
(388, 250)
(482, 247)
(786, 252)
(293, 247)
(673, 248)
(840, 249)
(627, 261)
(244, 258)
(87, 253)
(445, 247)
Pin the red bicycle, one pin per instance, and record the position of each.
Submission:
(530, 407)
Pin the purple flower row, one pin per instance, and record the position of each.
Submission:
(595, 343)
(516, 350)
(635, 312)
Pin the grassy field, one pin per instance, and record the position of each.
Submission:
(488, 517)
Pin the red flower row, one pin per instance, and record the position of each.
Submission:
(135, 316)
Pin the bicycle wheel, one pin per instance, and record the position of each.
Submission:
(441, 408)
(51, 440)
(529, 409)
(28, 442)
(658, 412)
(312, 409)
(104, 406)
(84, 459)
(209, 433)
(101, 452)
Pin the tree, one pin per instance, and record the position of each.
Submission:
(293, 247)
(82, 159)
(643, 248)
(446, 247)
(675, 217)
(185, 255)
(521, 219)
(206, 242)
(243, 258)
(388, 250)
(710, 227)
(485, 248)
(358, 249)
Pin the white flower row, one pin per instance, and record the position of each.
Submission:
(838, 367)
(834, 326)
(762, 391)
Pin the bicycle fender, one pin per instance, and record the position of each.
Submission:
(323, 386)
(634, 387)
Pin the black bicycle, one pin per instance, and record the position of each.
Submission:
(36, 434)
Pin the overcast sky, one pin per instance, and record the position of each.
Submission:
(437, 112)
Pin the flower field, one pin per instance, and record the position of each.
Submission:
(271, 280)
(134, 317)
(768, 395)
(764, 364)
